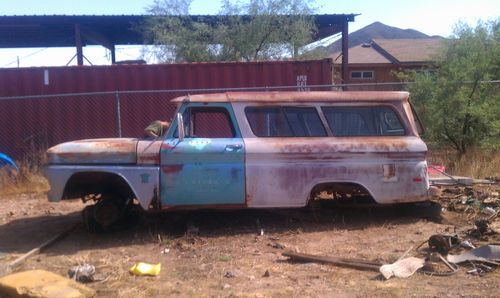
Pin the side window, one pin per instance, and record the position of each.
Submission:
(305, 122)
(208, 122)
(268, 122)
(363, 121)
(285, 122)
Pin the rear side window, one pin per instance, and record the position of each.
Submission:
(285, 122)
(363, 121)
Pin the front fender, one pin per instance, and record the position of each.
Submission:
(142, 180)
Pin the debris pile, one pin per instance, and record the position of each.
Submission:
(474, 202)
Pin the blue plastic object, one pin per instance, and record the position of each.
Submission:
(7, 161)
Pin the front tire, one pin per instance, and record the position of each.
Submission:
(105, 214)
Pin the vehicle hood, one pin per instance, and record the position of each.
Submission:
(94, 151)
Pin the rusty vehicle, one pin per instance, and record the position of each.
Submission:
(252, 150)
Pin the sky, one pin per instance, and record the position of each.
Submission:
(432, 17)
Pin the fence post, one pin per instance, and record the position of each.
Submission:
(118, 114)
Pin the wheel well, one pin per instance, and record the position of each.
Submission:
(87, 183)
(341, 192)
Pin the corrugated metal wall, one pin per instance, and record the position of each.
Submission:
(28, 125)
(58, 80)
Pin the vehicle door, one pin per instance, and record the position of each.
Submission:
(207, 166)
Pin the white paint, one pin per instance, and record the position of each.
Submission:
(302, 83)
(46, 77)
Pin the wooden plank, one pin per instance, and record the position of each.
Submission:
(349, 263)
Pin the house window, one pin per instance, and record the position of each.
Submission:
(362, 75)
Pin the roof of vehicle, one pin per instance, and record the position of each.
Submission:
(296, 96)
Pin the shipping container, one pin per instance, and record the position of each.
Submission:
(79, 79)
(77, 102)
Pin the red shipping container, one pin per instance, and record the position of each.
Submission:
(80, 79)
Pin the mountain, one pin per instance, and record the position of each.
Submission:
(375, 30)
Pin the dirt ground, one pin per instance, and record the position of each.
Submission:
(238, 253)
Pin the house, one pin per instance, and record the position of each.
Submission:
(373, 65)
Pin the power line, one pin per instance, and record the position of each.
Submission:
(26, 56)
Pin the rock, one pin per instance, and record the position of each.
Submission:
(230, 274)
(277, 245)
(488, 211)
(40, 284)
(266, 274)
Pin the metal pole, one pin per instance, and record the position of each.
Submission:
(345, 53)
(78, 42)
(118, 115)
(113, 54)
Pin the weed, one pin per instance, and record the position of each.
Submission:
(29, 178)
(225, 258)
(476, 163)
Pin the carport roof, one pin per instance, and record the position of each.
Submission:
(59, 30)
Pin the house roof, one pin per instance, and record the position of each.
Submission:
(365, 53)
(411, 50)
(396, 51)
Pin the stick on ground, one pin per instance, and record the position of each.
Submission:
(42, 246)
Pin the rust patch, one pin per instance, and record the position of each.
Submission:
(298, 96)
(172, 168)
(148, 159)
(248, 199)
(148, 152)
(166, 146)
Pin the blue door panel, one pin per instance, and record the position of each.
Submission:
(203, 171)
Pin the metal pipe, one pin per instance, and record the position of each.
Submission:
(118, 114)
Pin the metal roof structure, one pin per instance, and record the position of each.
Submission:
(111, 30)
(59, 30)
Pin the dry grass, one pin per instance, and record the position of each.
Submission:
(29, 179)
(476, 163)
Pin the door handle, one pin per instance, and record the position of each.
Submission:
(233, 147)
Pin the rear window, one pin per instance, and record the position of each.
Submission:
(285, 122)
(363, 121)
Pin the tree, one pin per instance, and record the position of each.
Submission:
(459, 101)
(257, 30)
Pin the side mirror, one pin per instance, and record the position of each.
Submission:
(180, 127)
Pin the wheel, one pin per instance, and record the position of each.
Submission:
(103, 215)
(107, 212)
(89, 221)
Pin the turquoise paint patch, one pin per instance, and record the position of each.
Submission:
(144, 178)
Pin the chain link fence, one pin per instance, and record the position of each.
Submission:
(31, 124)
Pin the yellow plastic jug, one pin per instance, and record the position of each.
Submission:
(141, 269)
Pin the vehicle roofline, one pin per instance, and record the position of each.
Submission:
(297, 96)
